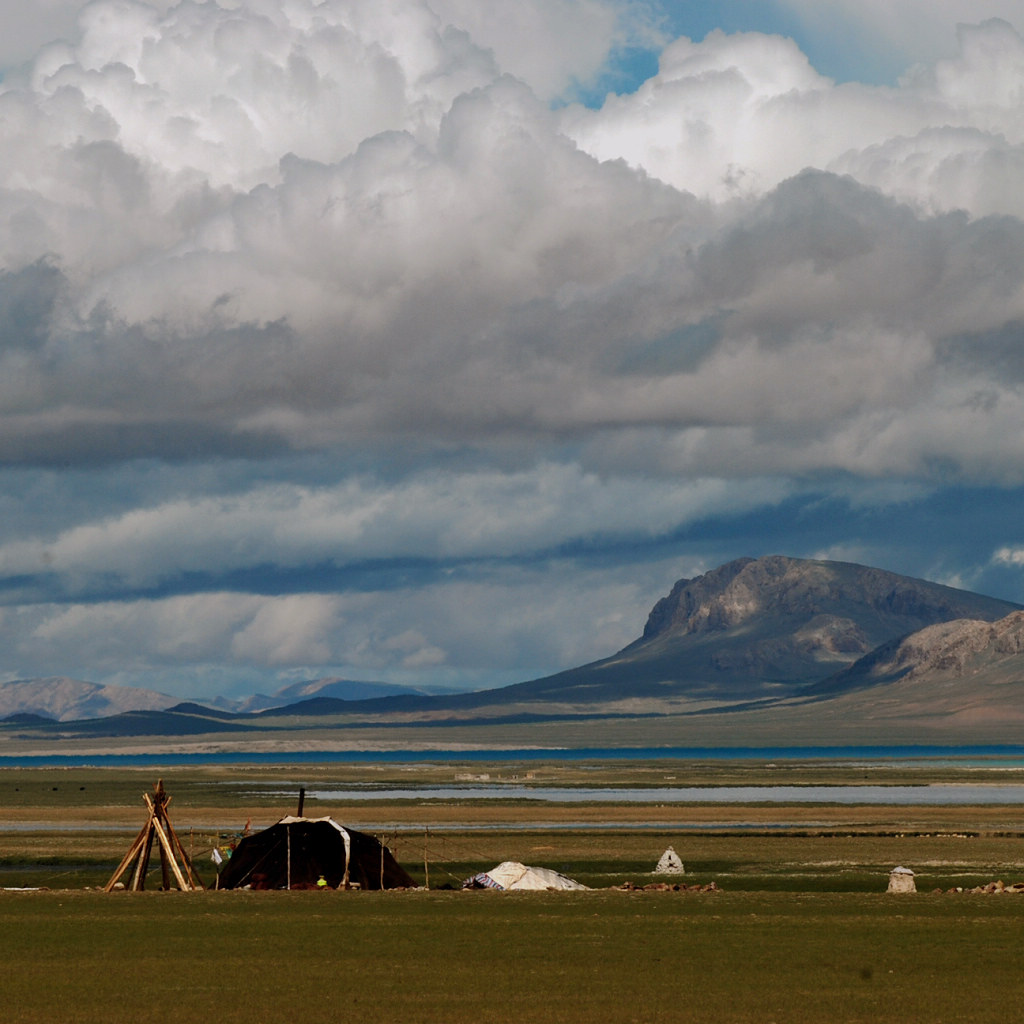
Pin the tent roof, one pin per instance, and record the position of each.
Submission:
(511, 875)
(291, 819)
(297, 851)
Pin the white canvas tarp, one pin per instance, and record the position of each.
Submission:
(511, 875)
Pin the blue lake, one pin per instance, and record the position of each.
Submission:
(995, 756)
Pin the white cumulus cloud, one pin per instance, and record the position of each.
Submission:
(304, 285)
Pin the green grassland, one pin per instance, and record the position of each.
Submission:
(67, 828)
(799, 929)
(608, 956)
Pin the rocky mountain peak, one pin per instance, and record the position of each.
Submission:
(957, 648)
(822, 594)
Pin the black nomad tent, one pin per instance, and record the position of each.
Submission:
(296, 852)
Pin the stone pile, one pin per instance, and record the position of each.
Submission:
(997, 887)
(666, 887)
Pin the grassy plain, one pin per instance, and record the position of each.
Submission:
(800, 931)
(68, 827)
(263, 958)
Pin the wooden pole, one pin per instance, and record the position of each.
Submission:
(345, 884)
(186, 858)
(156, 812)
(157, 827)
(168, 860)
(426, 867)
(142, 864)
(133, 852)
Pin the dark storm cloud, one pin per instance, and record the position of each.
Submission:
(534, 349)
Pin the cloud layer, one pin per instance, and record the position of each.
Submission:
(292, 289)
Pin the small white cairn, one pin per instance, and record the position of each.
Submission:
(901, 880)
(670, 864)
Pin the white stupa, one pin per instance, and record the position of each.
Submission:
(901, 880)
(670, 864)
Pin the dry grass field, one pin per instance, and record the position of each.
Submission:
(800, 929)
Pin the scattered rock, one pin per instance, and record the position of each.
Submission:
(666, 887)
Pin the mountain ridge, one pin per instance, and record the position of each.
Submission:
(959, 649)
(61, 698)
(791, 621)
(766, 637)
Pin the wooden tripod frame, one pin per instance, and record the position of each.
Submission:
(157, 827)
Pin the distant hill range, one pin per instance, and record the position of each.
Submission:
(333, 689)
(820, 647)
(62, 699)
(65, 700)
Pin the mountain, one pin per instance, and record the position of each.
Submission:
(72, 699)
(182, 720)
(66, 700)
(768, 650)
(338, 689)
(951, 666)
(758, 629)
(26, 718)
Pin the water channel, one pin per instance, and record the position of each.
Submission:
(939, 794)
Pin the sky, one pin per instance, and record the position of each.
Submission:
(432, 342)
